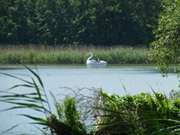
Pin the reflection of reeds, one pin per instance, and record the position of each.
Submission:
(70, 55)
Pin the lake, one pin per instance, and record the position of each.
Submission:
(112, 79)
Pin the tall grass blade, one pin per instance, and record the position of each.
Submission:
(36, 75)
(18, 78)
(9, 129)
(20, 85)
(20, 107)
(37, 119)
(37, 89)
(26, 105)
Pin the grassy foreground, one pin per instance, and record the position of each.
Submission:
(57, 55)
(141, 114)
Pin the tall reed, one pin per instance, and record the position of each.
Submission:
(55, 55)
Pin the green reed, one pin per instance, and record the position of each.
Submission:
(72, 55)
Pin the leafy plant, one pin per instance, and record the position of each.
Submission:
(137, 115)
(166, 47)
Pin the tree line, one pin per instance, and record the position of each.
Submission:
(56, 22)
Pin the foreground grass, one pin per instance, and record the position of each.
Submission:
(141, 114)
(57, 55)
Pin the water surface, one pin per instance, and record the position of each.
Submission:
(113, 79)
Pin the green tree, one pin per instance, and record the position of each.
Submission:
(166, 48)
(7, 24)
(78, 21)
(120, 22)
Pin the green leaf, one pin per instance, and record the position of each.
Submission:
(18, 78)
(36, 75)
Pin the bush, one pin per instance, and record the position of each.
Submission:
(142, 114)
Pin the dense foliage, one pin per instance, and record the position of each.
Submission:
(166, 47)
(78, 21)
(142, 114)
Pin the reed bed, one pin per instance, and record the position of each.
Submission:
(71, 55)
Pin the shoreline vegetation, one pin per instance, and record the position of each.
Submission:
(72, 55)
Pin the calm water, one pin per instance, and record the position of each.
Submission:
(113, 79)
